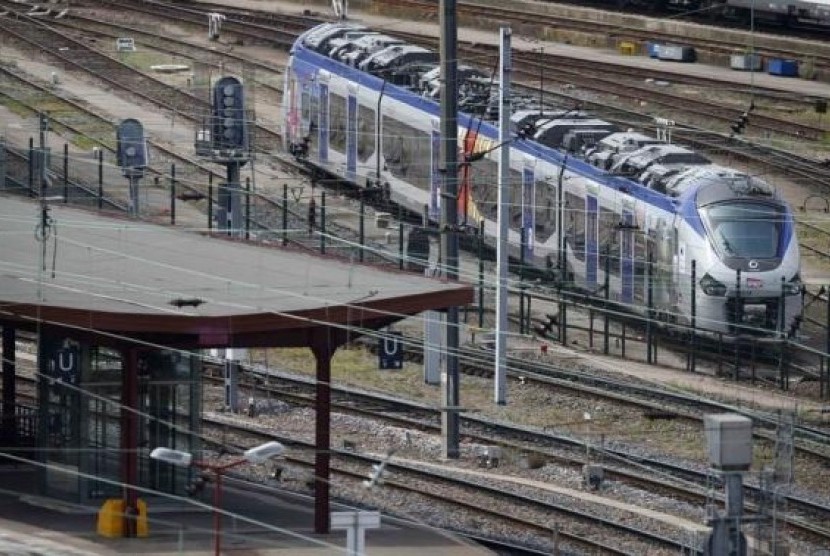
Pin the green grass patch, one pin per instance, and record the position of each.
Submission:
(84, 142)
(143, 59)
(16, 107)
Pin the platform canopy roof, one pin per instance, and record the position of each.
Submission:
(116, 278)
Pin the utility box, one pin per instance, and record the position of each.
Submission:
(782, 68)
(729, 437)
(677, 53)
(746, 62)
(627, 47)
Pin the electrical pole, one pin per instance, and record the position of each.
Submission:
(43, 126)
(449, 219)
(502, 261)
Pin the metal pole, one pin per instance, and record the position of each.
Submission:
(541, 81)
(134, 209)
(563, 304)
(323, 223)
(739, 317)
(782, 308)
(44, 126)
(217, 514)
(522, 240)
(649, 313)
(234, 189)
(100, 179)
(481, 274)
(827, 342)
(3, 163)
(607, 287)
(284, 214)
(247, 208)
(362, 231)
(739, 313)
(173, 194)
(502, 260)
(31, 166)
(693, 363)
(449, 214)
(65, 172)
(400, 245)
(210, 202)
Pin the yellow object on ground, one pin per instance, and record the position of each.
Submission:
(628, 48)
(111, 519)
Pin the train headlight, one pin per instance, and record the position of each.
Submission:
(793, 287)
(710, 286)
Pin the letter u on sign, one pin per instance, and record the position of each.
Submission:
(390, 351)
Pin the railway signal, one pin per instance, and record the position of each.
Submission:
(132, 156)
(230, 126)
(225, 141)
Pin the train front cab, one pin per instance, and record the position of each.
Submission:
(747, 272)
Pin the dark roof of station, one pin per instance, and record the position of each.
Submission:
(112, 277)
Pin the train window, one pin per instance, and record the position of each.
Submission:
(365, 133)
(609, 241)
(306, 104)
(515, 181)
(484, 175)
(407, 152)
(744, 229)
(574, 215)
(640, 268)
(337, 122)
(315, 112)
(545, 213)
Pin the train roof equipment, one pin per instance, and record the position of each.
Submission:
(318, 38)
(552, 133)
(724, 183)
(637, 161)
(626, 141)
(397, 56)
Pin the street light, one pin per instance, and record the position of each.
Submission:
(257, 454)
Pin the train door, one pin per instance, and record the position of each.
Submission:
(529, 206)
(351, 134)
(591, 247)
(435, 180)
(627, 255)
(323, 135)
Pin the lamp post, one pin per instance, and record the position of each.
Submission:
(258, 454)
(541, 51)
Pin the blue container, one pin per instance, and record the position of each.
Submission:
(653, 49)
(783, 68)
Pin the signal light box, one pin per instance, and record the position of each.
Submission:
(729, 437)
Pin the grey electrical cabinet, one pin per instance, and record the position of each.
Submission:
(729, 437)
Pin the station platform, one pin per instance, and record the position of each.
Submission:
(269, 522)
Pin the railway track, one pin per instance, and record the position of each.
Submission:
(440, 486)
(654, 475)
(649, 473)
(614, 31)
(48, 40)
(86, 26)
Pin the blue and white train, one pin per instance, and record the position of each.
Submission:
(360, 105)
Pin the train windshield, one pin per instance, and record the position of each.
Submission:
(745, 229)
